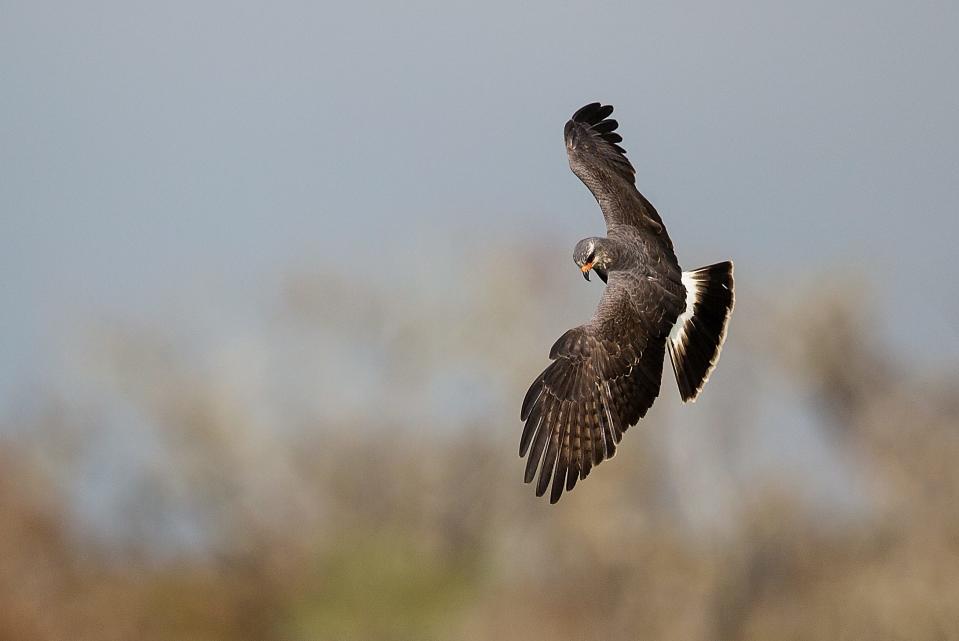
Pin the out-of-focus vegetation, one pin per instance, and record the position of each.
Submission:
(349, 471)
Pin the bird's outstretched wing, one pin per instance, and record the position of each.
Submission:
(595, 156)
(604, 377)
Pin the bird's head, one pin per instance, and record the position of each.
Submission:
(592, 254)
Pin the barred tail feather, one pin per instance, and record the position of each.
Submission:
(697, 337)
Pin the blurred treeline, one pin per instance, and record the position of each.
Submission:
(346, 468)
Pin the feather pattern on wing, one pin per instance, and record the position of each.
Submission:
(604, 377)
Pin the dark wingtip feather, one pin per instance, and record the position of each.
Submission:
(543, 481)
(539, 443)
(606, 126)
(593, 113)
(584, 113)
(549, 461)
(559, 482)
(604, 112)
(529, 429)
(595, 117)
(531, 397)
(530, 470)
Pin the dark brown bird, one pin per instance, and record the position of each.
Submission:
(606, 374)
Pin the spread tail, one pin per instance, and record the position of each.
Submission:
(697, 337)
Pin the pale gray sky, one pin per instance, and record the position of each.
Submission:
(148, 147)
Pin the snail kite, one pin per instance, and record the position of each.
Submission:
(605, 374)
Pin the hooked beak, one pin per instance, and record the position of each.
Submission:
(585, 269)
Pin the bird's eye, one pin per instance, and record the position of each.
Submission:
(591, 258)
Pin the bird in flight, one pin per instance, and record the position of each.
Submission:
(605, 374)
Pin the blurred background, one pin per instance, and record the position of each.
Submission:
(275, 278)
